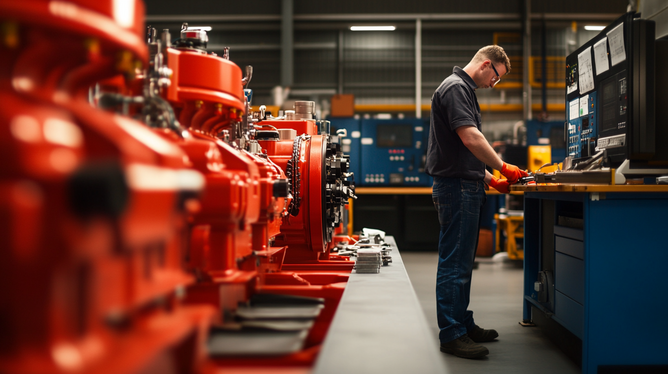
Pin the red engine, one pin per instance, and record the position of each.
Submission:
(318, 173)
(93, 213)
(148, 213)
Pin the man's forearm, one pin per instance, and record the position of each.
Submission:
(475, 141)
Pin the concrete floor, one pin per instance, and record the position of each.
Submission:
(496, 300)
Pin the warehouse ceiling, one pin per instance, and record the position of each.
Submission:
(371, 7)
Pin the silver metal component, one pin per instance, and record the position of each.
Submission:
(615, 141)
(263, 110)
(195, 32)
(287, 134)
(323, 127)
(166, 38)
(290, 115)
(568, 163)
(151, 34)
(371, 251)
(156, 111)
(226, 53)
(249, 75)
(242, 141)
(304, 109)
(254, 147)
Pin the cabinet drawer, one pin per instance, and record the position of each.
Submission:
(568, 232)
(569, 314)
(569, 276)
(571, 247)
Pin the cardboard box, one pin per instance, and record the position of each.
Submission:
(343, 105)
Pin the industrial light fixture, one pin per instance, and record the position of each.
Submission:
(372, 28)
(594, 28)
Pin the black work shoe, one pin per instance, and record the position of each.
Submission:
(464, 347)
(480, 335)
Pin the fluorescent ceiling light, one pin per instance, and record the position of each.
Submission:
(372, 28)
(594, 28)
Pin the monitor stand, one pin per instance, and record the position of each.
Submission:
(626, 170)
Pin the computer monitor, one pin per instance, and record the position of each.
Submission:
(616, 98)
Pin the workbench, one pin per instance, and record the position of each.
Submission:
(411, 191)
(379, 327)
(409, 214)
(603, 251)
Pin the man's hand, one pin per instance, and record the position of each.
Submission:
(513, 173)
(500, 185)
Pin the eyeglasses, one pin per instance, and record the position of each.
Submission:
(496, 79)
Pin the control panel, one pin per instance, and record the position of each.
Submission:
(394, 152)
(581, 129)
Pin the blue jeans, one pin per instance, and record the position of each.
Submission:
(459, 204)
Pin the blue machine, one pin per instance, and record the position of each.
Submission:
(394, 152)
(385, 152)
(554, 131)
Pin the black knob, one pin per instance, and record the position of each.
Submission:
(267, 135)
(98, 188)
(281, 188)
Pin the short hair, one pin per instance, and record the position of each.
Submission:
(494, 53)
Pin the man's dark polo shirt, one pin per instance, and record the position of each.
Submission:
(454, 104)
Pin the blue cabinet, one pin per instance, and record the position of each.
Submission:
(594, 263)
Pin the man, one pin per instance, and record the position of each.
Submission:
(456, 158)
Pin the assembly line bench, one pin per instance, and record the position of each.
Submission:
(603, 251)
(379, 327)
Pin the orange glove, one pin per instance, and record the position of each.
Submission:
(500, 185)
(513, 173)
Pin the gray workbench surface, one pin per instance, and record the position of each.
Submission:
(379, 327)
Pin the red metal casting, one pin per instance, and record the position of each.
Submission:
(122, 244)
(90, 210)
(304, 234)
(207, 107)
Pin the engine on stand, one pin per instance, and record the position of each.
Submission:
(151, 222)
(239, 256)
(320, 184)
(93, 204)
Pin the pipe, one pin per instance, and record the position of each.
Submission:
(418, 68)
(527, 60)
(340, 62)
(287, 43)
(543, 56)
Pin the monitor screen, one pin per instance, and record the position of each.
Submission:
(609, 98)
(394, 136)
